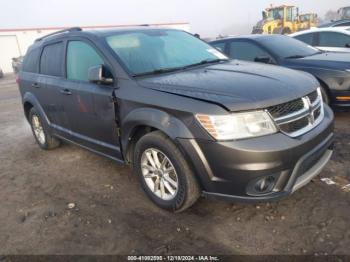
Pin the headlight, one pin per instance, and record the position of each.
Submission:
(237, 125)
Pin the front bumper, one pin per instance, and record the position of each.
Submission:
(226, 169)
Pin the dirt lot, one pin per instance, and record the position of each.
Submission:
(113, 216)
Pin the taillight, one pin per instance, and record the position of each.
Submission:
(17, 79)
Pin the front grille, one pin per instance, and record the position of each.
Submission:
(313, 96)
(294, 126)
(299, 116)
(317, 113)
(286, 108)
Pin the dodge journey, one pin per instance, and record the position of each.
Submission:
(188, 120)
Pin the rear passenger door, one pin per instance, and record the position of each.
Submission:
(89, 108)
(51, 76)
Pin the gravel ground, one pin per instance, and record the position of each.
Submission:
(111, 214)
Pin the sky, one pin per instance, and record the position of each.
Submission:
(208, 18)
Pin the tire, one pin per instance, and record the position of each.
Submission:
(178, 198)
(286, 31)
(40, 133)
(325, 96)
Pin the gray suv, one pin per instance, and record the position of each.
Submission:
(187, 119)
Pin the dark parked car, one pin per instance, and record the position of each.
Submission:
(339, 23)
(188, 120)
(1, 73)
(332, 70)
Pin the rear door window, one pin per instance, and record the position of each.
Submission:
(333, 39)
(306, 38)
(51, 62)
(247, 51)
(80, 57)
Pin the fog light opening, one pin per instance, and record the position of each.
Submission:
(262, 185)
(265, 184)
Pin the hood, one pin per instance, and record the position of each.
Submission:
(328, 60)
(236, 85)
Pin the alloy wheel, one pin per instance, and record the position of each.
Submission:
(38, 129)
(159, 174)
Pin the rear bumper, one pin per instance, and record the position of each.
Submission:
(227, 169)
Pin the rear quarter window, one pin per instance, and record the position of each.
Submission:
(31, 61)
(51, 62)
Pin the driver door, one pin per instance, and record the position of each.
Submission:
(89, 108)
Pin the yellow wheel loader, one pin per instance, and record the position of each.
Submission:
(282, 20)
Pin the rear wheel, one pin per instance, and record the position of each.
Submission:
(41, 134)
(164, 173)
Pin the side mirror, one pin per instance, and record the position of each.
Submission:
(347, 45)
(99, 75)
(263, 59)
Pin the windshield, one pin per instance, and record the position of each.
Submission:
(287, 47)
(276, 13)
(346, 13)
(150, 50)
(305, 18)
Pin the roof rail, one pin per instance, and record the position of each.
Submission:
(72, 29)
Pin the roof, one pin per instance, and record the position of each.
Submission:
(280, 6)
(252, 36)
(77, 31)
(83, 27)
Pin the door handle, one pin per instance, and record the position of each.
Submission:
(36, 85)
(66, 92)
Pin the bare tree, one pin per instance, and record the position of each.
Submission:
(331, 15)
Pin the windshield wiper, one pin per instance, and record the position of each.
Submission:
(172, 69)
(207, 61)
(318, 52)
(159, 71)
(294, 57)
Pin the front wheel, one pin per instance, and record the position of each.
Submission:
(286, 31)
(164, 173)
